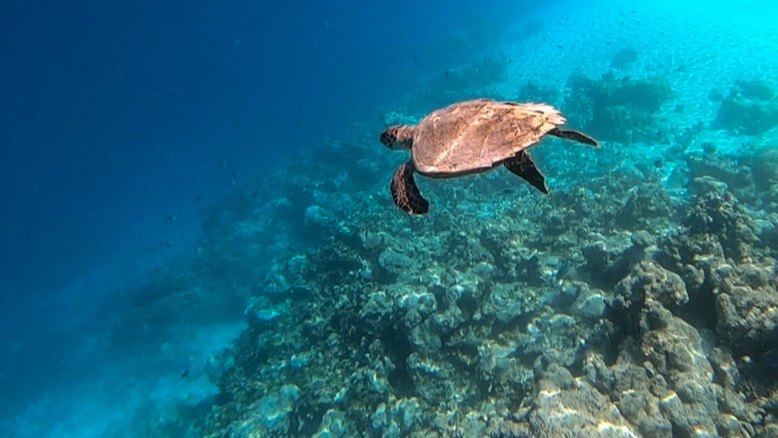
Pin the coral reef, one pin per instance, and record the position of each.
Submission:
(532, 91)
(533, 323)
(613, 307)
(619, 109)
(750, 108)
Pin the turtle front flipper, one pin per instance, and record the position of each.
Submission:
(570, 134)
(405, 193)
(522, 165)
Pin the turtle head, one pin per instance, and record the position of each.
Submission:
(398, 137)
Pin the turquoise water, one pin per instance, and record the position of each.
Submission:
(199, 238)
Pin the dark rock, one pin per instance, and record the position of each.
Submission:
(754, 89)
(650, 282)
(644, 95)
(609, 262)
(726, 169)
(636, 389)
(717, 213)
(432, 381)
(724, 367)
(673, 346)
(564, 406)
(589, 303)
(747, 305)
(619, 109)
(750, 109)
(645, 203)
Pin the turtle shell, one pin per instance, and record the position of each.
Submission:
(477, 135)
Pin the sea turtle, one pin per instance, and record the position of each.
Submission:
(471, 137)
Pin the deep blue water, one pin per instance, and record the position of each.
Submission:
(117, 117)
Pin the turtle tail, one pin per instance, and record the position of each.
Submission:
(578, 136)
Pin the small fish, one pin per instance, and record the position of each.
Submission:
(771, 358)
(185, 373)
(171, 218)
(167, 244)
(766, 362)
(659, 164)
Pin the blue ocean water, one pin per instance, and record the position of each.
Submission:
(179, 177)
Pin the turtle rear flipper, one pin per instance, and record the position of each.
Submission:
(522, 165)
(405, 193)
(571, 134)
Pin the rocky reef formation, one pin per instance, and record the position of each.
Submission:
(608, 309)
(749, 108)
(619, 109)
(614, 307)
